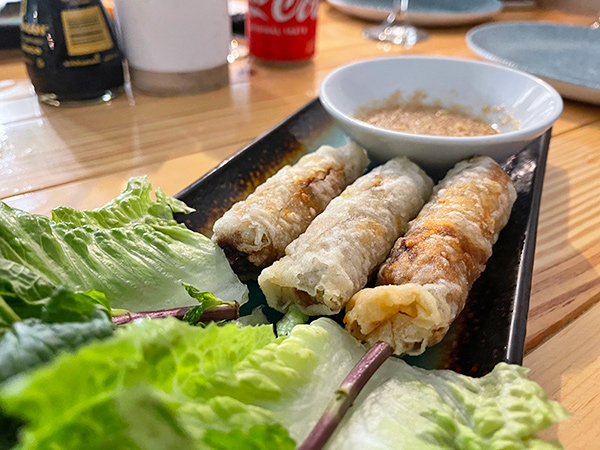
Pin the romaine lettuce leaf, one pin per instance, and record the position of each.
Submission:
(231, 388)
(142, 420)
(292, 318)
(131, 249)
(153, 425)
(256, 317)
(405, 407)
(337, 352)
(415, 409)
(258, 437)
(197, 379)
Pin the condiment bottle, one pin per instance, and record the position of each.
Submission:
(71, 51)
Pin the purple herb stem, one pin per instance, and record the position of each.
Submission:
(221, 312)
(346, 394)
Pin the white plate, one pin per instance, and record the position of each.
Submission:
(566, 56)
(433, 13)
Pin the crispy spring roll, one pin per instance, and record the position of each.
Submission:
(344, 245)
(255, 232)
(424, 283)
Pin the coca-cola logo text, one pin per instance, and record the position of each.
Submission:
(284, 10)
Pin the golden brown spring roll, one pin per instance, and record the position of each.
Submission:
(424, 283)
(344, 245)
(256, 231)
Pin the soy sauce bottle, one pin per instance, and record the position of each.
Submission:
(71, 51)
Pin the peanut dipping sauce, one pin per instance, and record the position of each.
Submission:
(423, 119)
(412, 115)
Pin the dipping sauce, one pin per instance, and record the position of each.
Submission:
(424, 119)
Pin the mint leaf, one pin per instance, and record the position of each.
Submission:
(23, 292)
(55, 319)
(32, 342)
(67, 306)
(194, 315)
(207, 301)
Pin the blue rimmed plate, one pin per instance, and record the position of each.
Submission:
(434, 13)
(566, 56)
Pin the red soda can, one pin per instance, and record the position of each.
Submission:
(282, 30)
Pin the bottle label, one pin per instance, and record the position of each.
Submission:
(86, 31)
(70, 49)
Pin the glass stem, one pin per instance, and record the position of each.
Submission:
(595, 25)
(398, 14)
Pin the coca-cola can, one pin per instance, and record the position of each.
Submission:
(282, 30)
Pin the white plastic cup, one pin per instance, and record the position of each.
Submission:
(175, 47)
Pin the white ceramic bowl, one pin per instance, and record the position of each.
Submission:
(523, 106)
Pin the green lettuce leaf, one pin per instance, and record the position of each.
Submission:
(144, 421)
(153, 425)
(200, 378)
(259, 437)
(131, 249)
(165, 384)
(292, 318)
(416, 409)
(336, 352)
(405, 407)
(256, 317)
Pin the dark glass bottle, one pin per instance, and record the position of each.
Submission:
(71, 51)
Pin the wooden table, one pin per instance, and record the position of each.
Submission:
(81, 157)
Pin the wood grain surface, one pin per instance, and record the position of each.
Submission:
(82, 157)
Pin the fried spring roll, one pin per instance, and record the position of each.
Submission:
(255, 232)
(344, 245)
(424, 283)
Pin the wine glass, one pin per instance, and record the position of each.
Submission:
(237, 46)
(237, 50)
(395, 29)
(596, 24)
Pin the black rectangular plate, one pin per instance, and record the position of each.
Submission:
(492, 326)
